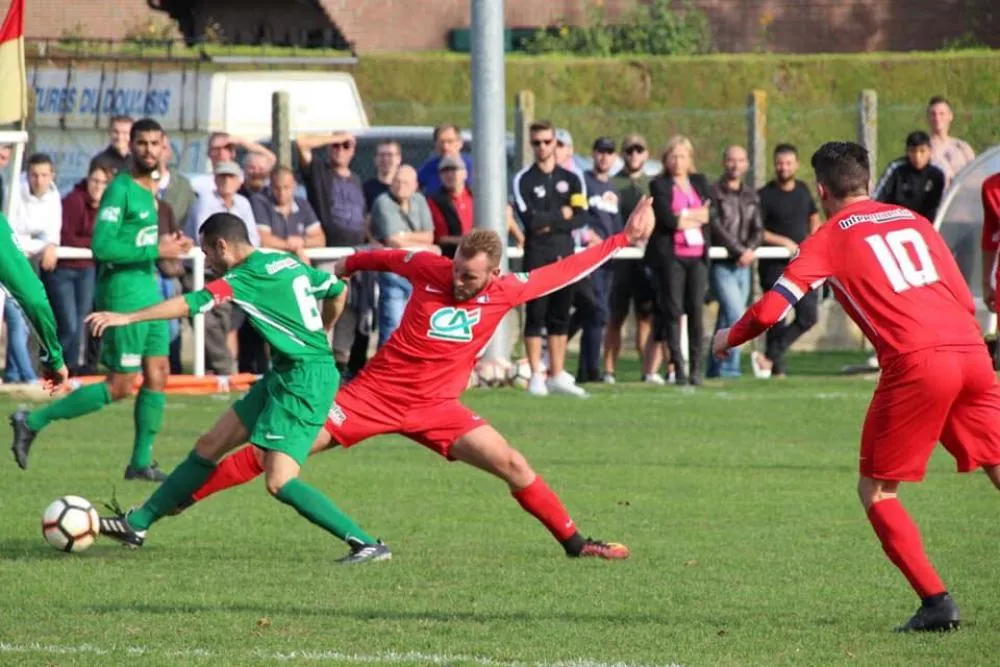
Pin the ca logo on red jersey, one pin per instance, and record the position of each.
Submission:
(453, 324)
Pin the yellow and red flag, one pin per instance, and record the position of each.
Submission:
(13, 82)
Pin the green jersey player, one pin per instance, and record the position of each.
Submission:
(126, 245)
(284, 411)
(21, 281)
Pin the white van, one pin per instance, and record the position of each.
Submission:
(72, 107)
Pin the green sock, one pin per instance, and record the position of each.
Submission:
(176, 488)
(321, 511)
(83, 401)
(148, 417)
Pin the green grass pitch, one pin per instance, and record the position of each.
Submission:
(738, 501)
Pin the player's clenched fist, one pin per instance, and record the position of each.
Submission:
(640, 224)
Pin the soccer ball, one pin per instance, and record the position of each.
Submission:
(493, 373)
(70, 524)
(520, 374)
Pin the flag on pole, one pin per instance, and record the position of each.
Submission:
(13, 81)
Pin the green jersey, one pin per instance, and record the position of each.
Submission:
(125, 245)
(20, 279)
(279, 294)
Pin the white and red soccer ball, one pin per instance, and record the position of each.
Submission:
(70, 524)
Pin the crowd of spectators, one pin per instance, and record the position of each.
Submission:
(555, 209)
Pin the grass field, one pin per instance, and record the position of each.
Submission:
(749, 546)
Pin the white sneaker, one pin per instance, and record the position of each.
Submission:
(759, 371)
(564, 383)
(654, 378)
(537, 385)
(608, 378)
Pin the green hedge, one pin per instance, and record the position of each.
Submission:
(811, 99)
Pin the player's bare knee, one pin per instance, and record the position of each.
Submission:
(155, 375)
(516, 470)
(273, 481)
(121, 387)
(871, 491)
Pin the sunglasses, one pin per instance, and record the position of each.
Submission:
(541, 142)
(634, 149)
(343, 145)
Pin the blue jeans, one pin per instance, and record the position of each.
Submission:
(731, 285)
(19, 367)
(393, 293)
(72, 294)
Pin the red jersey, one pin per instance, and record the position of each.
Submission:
(890, 270)
(430, 356)
(991, 215)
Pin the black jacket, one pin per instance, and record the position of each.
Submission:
(539, 198)
(661, 244)
(738, 227)
(918, 191)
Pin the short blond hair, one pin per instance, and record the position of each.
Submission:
(482, 240)
(678, 141)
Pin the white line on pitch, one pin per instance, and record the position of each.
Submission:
(383, 658)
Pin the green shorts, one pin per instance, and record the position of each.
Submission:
(285, 409)
(123, 348)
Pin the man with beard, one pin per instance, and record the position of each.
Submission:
(126, 245)
(789, 216)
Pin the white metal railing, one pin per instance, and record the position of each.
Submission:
(197, 260)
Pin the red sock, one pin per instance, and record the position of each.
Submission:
(235, 469)
(901, 541)
(538, 500)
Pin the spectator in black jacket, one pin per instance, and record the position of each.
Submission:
(551, 203)
(678, 253)
(912, 181)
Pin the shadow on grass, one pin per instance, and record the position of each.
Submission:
(28, 549)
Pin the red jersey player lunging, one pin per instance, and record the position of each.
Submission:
(412, 385)
(896, 278)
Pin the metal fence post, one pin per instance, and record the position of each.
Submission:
(524, 116)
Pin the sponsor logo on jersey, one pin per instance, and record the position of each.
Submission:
(562, 187)
(523, 277)
(110, 214)
(878, 218)
(143, 215)
(453, 324)
(432, 289)
(539, 191)
(485, 298)
(336, 415)
(147, 236)
(281, 264)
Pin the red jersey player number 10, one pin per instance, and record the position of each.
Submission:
(903, 269)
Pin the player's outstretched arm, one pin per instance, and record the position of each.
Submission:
(805, 272)
(557, 275)
(171, 309)
(405, 263)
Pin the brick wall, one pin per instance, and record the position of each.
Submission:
(96, 19)
(403, 25)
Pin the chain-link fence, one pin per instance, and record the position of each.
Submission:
(711, 130)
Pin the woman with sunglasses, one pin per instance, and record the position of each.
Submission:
(678, 253)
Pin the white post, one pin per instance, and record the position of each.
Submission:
(198, 269)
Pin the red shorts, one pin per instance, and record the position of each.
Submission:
(359, 413)
(949, 395)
